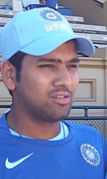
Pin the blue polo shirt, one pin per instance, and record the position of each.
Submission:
(80, 155)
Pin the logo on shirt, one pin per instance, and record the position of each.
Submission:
(90, 154)
(11, 165)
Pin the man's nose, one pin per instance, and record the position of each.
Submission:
(64, 77)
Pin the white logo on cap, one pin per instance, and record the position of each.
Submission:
(51, 15)
(56, 26)
(90, 154)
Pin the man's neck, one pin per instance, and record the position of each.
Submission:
(32, 128)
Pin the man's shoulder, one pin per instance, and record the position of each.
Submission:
(86, 134)
(85, 130)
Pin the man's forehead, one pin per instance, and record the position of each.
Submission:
(67, 48)
(65, 52)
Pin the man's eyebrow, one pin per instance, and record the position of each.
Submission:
(53, 60)
(74, 60)
(40, 60)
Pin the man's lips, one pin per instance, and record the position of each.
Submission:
(61, 98)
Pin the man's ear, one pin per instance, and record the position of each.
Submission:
(8, 73)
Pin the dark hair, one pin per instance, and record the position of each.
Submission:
(16, 60)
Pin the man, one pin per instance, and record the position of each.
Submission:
(40, 70)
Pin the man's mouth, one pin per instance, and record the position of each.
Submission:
(61, 98)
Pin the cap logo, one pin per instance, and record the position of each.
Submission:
(90, 154)
(50, 15)
(56, 27)
(58, 22)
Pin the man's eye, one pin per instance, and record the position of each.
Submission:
(47, 66)
(73, 65)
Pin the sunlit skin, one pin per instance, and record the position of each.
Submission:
(44, 94)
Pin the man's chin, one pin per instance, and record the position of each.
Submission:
(61, 114)
(59, 117)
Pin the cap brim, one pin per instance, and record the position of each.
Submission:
(85, 46)
(47, 44)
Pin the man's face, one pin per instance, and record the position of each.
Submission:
(47, 84)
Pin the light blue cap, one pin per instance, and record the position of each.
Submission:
(38, 32)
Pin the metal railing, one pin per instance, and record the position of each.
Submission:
(85, 116)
